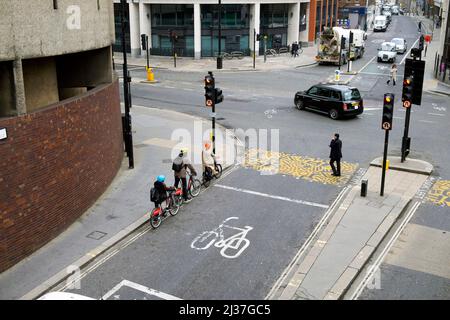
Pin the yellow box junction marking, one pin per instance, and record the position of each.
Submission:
(307, 168)
(439, 194)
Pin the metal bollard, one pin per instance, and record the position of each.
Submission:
(364, 184)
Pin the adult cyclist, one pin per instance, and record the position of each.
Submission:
(179, 167)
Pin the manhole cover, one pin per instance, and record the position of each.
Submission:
(220, 118)
(96, 235)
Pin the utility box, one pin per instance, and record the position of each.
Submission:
(364, 184)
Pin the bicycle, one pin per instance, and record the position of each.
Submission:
(173, 204)
(237, 242)
(193, 185)
(206, 179)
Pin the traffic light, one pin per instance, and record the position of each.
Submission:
(407, 92)
(388, 111)
(350, 40)
(343, 41)
(210, 90)
(415, 68)
(421, 42)
(144, 41)
(258, 37)
(218, 95)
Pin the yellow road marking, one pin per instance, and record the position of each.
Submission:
(307, 168)
(440, 193)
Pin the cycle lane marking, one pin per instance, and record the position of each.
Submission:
(232, 242)
(308, 203)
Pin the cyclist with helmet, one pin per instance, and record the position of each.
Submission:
(161, 189)
(180, 166)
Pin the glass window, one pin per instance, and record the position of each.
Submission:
(352, 94)
(335, 95)
(168, 15)
(323, 92)
(313, 90)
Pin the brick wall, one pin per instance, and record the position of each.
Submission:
(54, 165)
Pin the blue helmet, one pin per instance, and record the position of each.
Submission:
(161, 178)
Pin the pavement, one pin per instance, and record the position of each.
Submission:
(349, 233)
(124, 207)
(187, 64)
(430, 83)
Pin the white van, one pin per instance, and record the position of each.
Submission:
(380, 23)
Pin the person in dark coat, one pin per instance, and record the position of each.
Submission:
(336, 155)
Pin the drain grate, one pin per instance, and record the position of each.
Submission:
(220, 118)
(96, 235)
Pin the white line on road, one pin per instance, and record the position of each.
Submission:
(426, 121)
(141, 288)
(407, 54)
(437, 114)
(308, 203)
(307, 243)
(367, 64)
(370, 109)
(372, 270)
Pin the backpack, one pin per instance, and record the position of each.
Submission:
(177, 167)
(154, 195)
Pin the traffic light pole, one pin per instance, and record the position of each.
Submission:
(219, 58)
(148, 54)
(383, 173)
(214, 126)
(127, 97)
(254, 48)
(405, 134)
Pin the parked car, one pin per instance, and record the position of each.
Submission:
(335, 100)
(400, 45)
(59, 295)
(388, 16)
(387, 52)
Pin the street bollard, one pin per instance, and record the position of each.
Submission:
(364, 184)
(337, 75)
(387, 165)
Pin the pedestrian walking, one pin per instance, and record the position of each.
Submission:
(336, 155)
(420, 26)
(393, 74)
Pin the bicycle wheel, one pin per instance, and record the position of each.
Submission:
(218, 168)
(227, 56)
(206, 181)
(173, 208)
(155, 221)
(195, 187)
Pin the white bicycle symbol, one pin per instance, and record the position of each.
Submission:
(236, 242)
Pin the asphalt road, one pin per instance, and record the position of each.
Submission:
(171, 261)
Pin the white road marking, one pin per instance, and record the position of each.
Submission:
(308, 203)
(367, 64)
(370, 109)
(407, 53)
(141, 288)
(307, 243)
(383, 254)
(401, 118)
(426, 121)
(437, 114)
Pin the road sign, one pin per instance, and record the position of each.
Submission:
(386, 125)
(406, 104)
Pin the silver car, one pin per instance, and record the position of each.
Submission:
(400, 45)
(387, 52)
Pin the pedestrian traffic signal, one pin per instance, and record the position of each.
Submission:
(350, 40)
(210, 90)
(388, 111)
(407, 92)
(218, 97)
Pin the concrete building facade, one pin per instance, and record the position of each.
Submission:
(195, 22)
(60, 119)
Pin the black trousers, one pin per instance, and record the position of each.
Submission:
(338, 165)
(183, 185)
